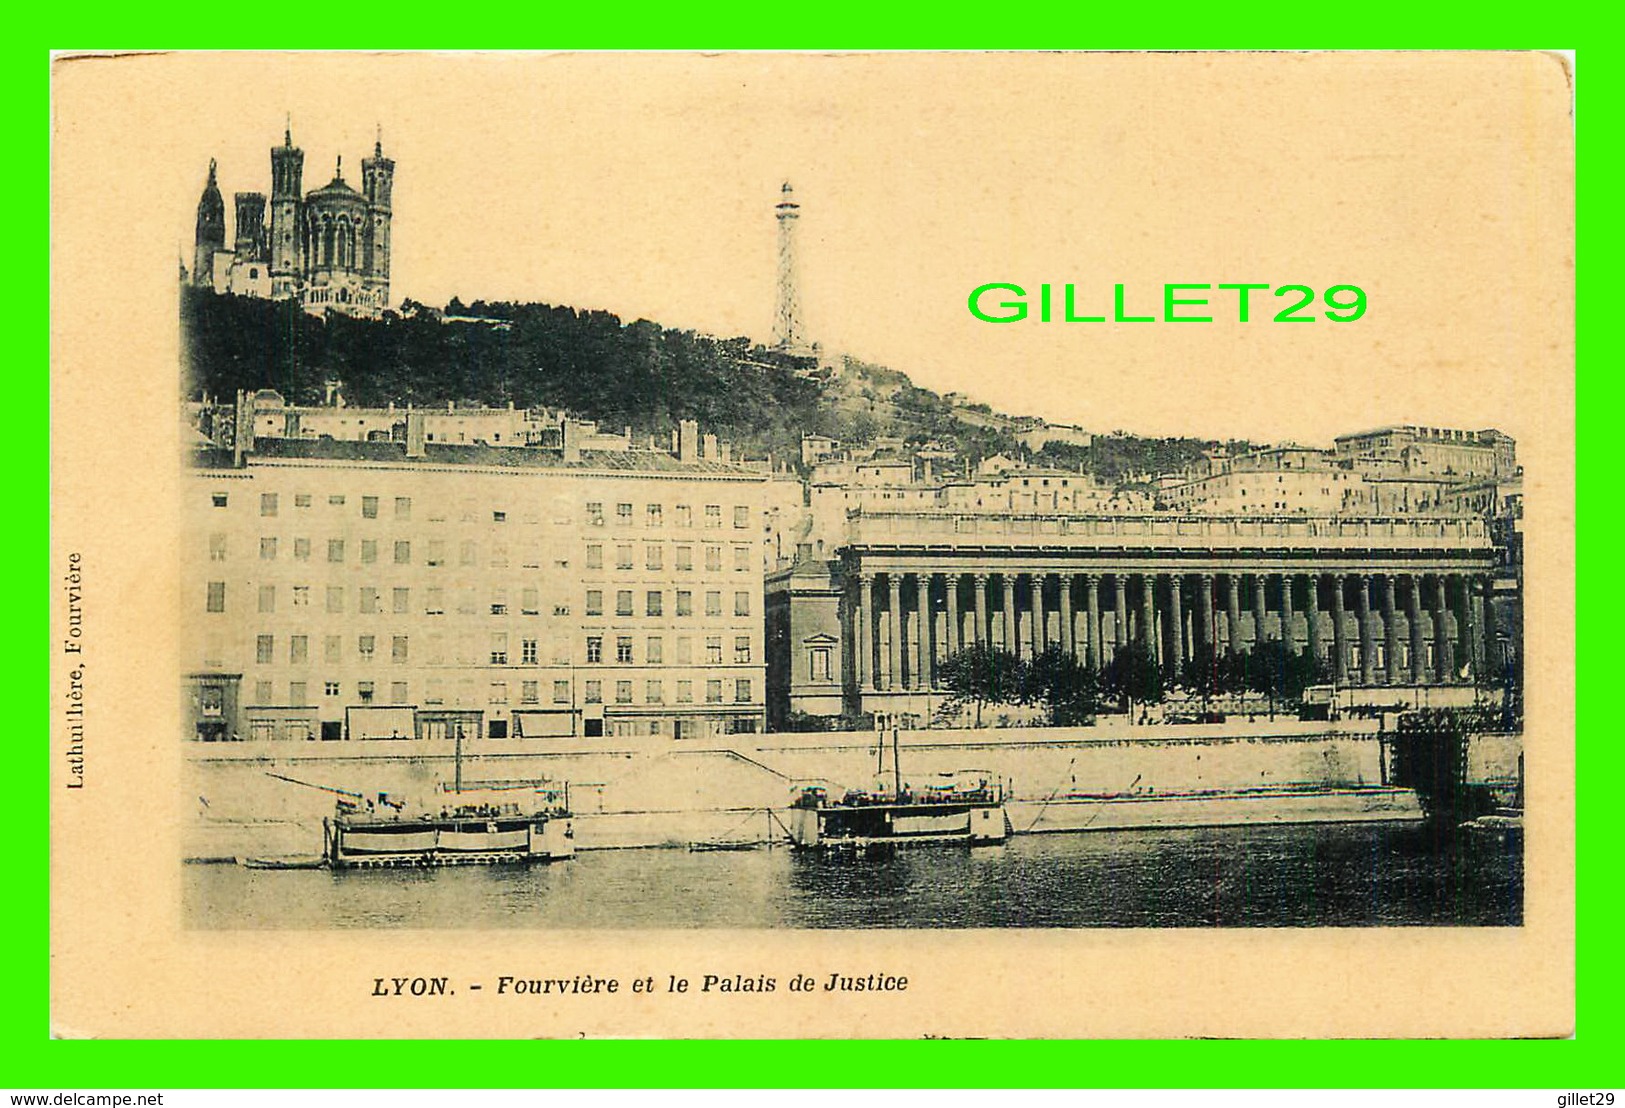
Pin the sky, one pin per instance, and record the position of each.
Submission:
(645, 185)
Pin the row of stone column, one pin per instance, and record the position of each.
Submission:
(1175, 616)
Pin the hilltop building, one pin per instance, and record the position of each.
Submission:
(327, 249)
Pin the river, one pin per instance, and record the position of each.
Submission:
(1340, 875)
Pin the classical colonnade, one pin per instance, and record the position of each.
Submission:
(1391, 628)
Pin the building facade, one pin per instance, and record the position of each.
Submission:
(399, 590)
(1397, 601)
(328, 248)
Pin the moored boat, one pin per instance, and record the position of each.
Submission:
(463, 833)
(968, 811)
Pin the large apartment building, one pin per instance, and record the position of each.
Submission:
(408, 589)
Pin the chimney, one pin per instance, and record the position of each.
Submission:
(727, 452)
(243, 434)
(688, 440)
(414, 434)
(570, 436)
(708, 447)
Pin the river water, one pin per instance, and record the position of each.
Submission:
(1345, 875)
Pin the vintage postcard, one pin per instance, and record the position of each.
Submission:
(896, 545)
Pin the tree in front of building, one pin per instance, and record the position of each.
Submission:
(1133, 676)
(980, 674)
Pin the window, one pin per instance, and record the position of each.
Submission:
(742, 603)
(818, 663)
(742, 690)
(713, 649)
(298, 649)
(741, 516)
(434, 691)
(217, 547)
(499, 517)
(685, 692)
(594, 692)
(527, 652)
(623, 692)
(336, 500)
(267, 503)
(623, 602)
(369, 507)
(623, 648)
(713, 558)
(301, 550)
(499, 602)
(301, 596)
(654, 603)
(330, 688)
(467, 604)
(403, 552)
(369, 600)
(437, 552)
(713, 691)
(685, 516)
(397, 649)
(499, 648)
(262, 695)
(468, 553)
(685, 650)
(595, 555)
(296, 693)
(363, 691)
(685, 602)
(498, 695)
(713, 515)
(219, 499)
(595, 513)
(436, 604)
(369, 551)
(623, 556)
(741, 559)
(331, 648)
(654, 692)
(595, 602)
(397, 692)
(654, 651)
(499, 555)
(530, 600)
(529, 692)
(263, 646)
(741, 650)
(595, 648)
(685, 557)
(403, 507)
(335, 550)
(652, 515)
(654, 557)
(561, 692)
(400, 602)
(267, 598)
(623, 515)
(365, 646)
(216, 601)
(713, 603)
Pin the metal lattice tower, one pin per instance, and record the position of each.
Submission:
(787, 321)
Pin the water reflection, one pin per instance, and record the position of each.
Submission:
(1335, 875)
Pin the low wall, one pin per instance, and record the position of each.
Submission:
(628, 792)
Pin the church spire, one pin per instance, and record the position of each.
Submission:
(378, 143)
(287, 131)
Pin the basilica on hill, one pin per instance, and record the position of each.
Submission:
(328, 248)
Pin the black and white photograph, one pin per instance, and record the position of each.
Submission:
(930, 495)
